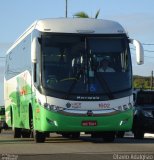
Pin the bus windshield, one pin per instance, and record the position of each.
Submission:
(86, 64)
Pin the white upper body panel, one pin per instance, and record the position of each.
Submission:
(79, 25)
(72, 25)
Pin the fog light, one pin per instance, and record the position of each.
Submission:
(123, 122)
(52, 122)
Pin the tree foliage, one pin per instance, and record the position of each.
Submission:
(81, 15)
(85, 15)
(142, 82)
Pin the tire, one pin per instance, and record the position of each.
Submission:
(39, 137)
(47, 135)
(138, 134)
(25, 133)
(137, 130)
(109, 136)
(17, 132)
(5, 126)
(120, 134)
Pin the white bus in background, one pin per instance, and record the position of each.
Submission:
(53, 82)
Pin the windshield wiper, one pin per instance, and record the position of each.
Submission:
(105, 86)
(74, 83)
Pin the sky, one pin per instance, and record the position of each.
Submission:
(136, 16)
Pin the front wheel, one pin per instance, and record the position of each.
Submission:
(39, 137)
(25, 133)
(137, 129)
(17, 132)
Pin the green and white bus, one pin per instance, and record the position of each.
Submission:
(53, 82)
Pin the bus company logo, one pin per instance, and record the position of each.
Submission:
(68, 105)
(73, 105)
(104, 105)
(76, 105)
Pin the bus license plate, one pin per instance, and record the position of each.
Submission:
(89, 123)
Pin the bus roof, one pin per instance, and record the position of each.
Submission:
(79, 25)
(73, 25)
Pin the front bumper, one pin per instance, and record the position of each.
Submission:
(56, 122)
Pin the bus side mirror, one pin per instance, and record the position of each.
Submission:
(139, 51)
(35, 49)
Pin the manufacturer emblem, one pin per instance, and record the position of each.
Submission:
(89, 113)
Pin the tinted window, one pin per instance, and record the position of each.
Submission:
(71, 64)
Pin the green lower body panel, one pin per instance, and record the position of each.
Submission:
(56, 122)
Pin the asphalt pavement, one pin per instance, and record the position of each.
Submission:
(85, 148)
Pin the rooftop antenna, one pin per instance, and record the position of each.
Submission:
(66, 9)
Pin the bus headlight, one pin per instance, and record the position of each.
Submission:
(119, 108)
(130, 105)
(125, 107)
(53, 107)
